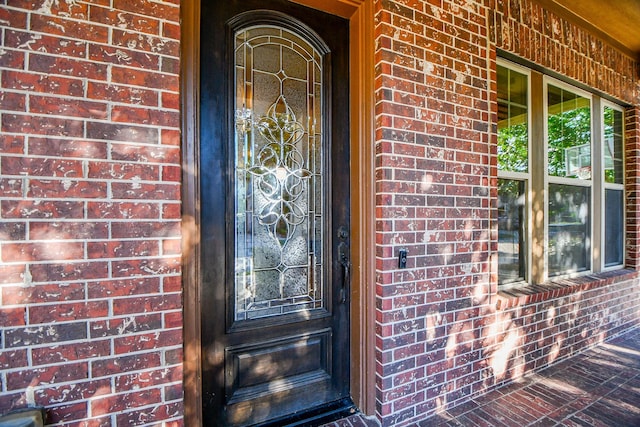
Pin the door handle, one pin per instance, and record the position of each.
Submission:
(343, 258)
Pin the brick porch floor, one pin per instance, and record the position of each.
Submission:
(600, 387)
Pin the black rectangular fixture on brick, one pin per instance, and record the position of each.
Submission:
(402, 258)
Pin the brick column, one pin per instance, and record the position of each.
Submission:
(90, 285)
(433, 160)
(632, 186)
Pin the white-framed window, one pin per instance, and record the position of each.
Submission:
(568, 178)
(513, 173)
(613, 208)
(560, 179)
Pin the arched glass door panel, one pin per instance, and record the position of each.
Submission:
(279, 153)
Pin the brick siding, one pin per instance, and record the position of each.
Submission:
(632, 163)
(90, 289)
(444, 333)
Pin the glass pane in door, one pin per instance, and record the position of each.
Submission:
(279, 202)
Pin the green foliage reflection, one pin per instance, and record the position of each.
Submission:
(570, 129)
(513, 148)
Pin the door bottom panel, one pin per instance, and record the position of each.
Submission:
(277, 366)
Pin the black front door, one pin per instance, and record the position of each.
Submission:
(274, 185)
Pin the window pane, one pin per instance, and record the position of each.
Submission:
(613, 125)
(569, 229)
(511, 226)
(513, 126)
(569, 132)
(613, 227)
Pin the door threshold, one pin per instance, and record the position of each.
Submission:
(316, 417)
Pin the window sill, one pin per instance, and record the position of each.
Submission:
(555, 288)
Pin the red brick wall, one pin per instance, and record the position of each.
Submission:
(433, 158)
(90, 207)
(444, 334)
(90, 284)
(524, 28)
(632, 156)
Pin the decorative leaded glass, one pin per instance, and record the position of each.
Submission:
(278, 165)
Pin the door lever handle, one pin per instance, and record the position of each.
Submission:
(346, 271)
(346, 278)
